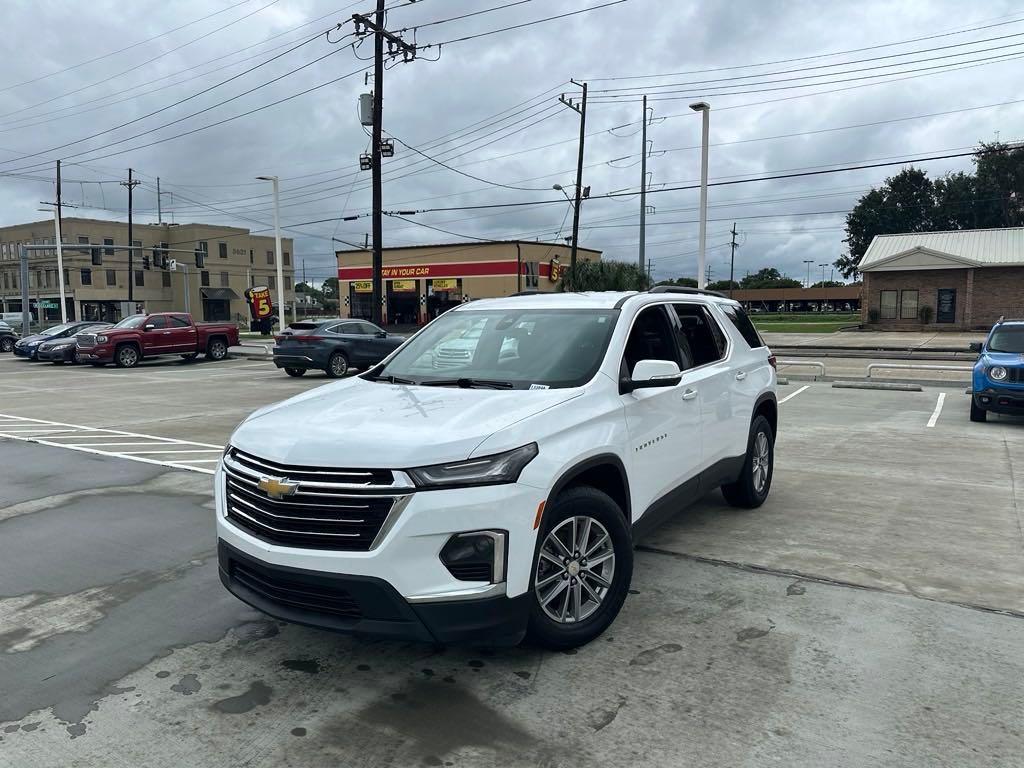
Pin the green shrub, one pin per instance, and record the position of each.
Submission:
(926, 313)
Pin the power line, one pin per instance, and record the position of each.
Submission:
(466, 15)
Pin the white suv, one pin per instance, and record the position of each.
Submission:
(500, 498)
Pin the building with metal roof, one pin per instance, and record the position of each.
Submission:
(943, 280)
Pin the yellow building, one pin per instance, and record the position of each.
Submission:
(215, 266)
(421, 282)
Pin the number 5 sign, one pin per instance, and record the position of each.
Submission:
(259, 302)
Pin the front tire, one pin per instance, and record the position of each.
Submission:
(755, 480)
(977, 412)
(6, 344)
(217, 349)
(581, 570)
(127, 356)
(74, 357)
(337, 366)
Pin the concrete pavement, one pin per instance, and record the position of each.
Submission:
(875, 339)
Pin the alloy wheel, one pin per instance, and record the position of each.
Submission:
(761, 462)
(339, 365)
(218, 350)
(128, 357)
(574, 570)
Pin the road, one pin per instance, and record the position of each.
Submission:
(870, 614)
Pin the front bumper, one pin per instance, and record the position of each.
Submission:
(365, 605)
(96, 354)
(1000, 400)
(27, 352)
(64, 353)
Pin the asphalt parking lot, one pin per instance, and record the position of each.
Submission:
(870, 614)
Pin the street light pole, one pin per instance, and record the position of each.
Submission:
(277, 249)
(705, 109)
(808, 262)
(60, 263)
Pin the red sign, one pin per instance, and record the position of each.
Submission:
(457, 269)
(259, 302)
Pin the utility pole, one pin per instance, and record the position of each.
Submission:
(159, 209)
(396, 45)
(131, 251)
(732, 258)
(581, 109)
(707, 275)
(643, 189)
(60, 251)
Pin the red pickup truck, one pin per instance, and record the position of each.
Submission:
(165, 333)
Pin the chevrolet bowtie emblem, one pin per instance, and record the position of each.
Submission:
(275, 488)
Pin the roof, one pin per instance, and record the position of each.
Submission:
(464, 244)
(582, 300)
(956, 249)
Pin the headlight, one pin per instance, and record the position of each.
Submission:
(997, 373)
(486, 470)
(101, 339)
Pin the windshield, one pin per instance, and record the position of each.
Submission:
(57, 330)
(132, 321)
(1008, 338)
(545, 348)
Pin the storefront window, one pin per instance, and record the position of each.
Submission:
(908, 305)
(887, 305)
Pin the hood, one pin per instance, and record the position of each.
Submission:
(49, 343)
(35, 338)
(358, 423)
(1002, 358)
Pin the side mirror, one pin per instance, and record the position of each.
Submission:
(382, 334)
(149, 327)
(648, 374)
(976, 346)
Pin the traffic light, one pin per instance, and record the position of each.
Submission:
(145, 261)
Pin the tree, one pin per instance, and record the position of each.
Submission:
(682, 282)
(828, 284)
(604, 276)
(769, 277)
(723, 285)
(330, 288)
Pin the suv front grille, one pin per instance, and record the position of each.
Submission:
(296, 594)
(1014, 375)
(312, 507)
(86, 339)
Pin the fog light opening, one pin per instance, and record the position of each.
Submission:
(476, 556)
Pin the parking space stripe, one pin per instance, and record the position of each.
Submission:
(938, 409)
(791, 395)
(171, 450)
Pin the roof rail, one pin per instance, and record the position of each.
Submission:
(527, 293)
(681, 289)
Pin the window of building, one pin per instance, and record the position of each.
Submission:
(272, 282)
(86, 276)
(286, 258)
(111, 277)
(140, 278)
(887, 304)
(224, 281)
(47, 280)
(166, 278)
(108, 251)
(6, 281)
(83, 240)
(3, 250)
(39, 278)
(252, 256)
(287, 283)
(908, 305)
(222, 249)
(270, 257)
(204, 278)
(67, 277)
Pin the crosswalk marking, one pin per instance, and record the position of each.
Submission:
(160, 450)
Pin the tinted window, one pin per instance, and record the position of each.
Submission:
(1007, 338)
(650, 338)
(700, 339)
(366, 329)
(179, 321)
(157, 321)
(744, 326)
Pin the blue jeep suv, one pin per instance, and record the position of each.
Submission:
(998, 380)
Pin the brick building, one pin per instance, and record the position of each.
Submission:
(217, 262)
(968, 278)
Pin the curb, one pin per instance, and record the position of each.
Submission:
(257, 351)
(889, 386)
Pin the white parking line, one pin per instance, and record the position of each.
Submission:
(791, 395)
(20, 428)
(938, 409)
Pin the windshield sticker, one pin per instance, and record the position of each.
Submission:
(539, 386)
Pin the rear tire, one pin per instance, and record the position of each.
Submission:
(595, 526)
(296, 372)
(755, 480)
(337, 366)
(74, 357)
(977, 412)
(127, 356)
(216, 349)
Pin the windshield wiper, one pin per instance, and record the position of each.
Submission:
(390, 379)
(469, 383)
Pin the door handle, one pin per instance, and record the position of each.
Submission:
(689, 394)
(741, 375)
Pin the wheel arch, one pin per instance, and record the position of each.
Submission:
(767, 405)
(593, 471)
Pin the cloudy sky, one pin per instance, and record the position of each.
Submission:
(794, 87)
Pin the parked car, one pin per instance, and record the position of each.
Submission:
(8, 337)
(502, 501)
(998, 376)
(138, 337)
(65, 349)
(29, 345)
(332, 346)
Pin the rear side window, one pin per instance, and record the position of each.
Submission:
(700, 339)
(179, 321)
(744, 326)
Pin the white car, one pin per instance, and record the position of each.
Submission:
(503, 503)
